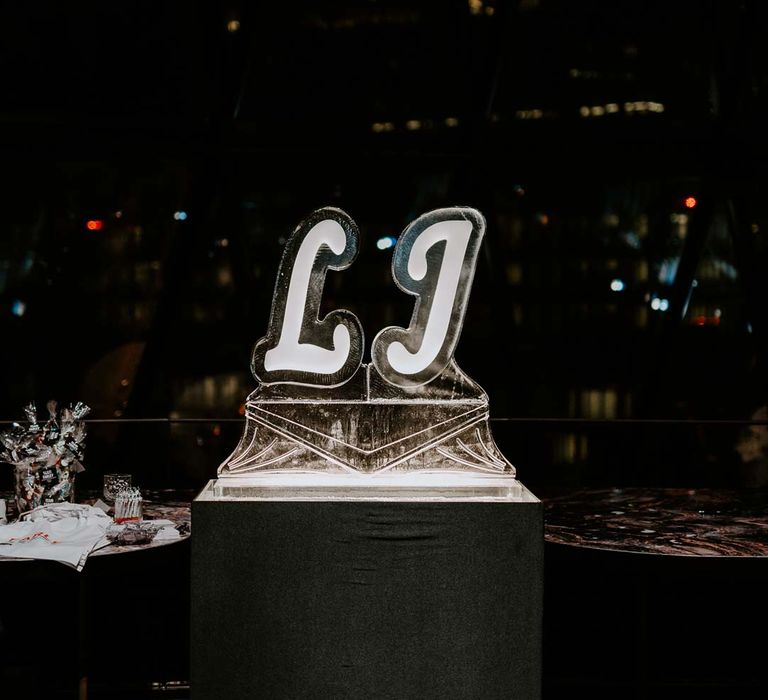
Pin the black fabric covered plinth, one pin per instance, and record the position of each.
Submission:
(366, 600)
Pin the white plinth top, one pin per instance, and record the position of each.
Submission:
(410, 487)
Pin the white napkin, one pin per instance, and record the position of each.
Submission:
(168, 530)
(65, 532)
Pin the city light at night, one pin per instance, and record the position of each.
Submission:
(18, 308)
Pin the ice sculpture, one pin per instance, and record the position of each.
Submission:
(319, 410)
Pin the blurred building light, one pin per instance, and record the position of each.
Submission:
(655, 303)
(700, 317)
(514, 273)
(543, 219)
(617, 285)
(489, 11)
(597, 111)
(584, 111)
(413, 125)
(377, 127)
(755, 228)
(119, 214)
(690, 202)
(519, 190)
(180, 215)
(668, 270)
(94, 224)
(124, 382)
(451, 121)
(18, 308)
(583, 73)
(223, 242)
(643, 106)
(722, 268)
(631, 239)
(663, 304)
(232, 26)
(611, 108)
(386, 242)
(388, 126)
(224, 277)
(475, 6)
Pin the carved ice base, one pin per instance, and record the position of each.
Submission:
(368, 428)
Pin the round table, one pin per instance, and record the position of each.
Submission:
(164, 504)
(44, 576)
(677, 522)
(655, 592)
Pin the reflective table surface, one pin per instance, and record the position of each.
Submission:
(677, 522)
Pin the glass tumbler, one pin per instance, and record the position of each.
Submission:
(113, 483)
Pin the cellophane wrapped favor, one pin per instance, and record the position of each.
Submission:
(46, 457)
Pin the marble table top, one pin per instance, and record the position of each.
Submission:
(677, 522)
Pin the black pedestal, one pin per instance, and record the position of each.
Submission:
(366, 600)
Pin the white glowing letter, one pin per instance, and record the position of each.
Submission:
(434, 260)
(289, 353)
(299, 348)
(456, 236)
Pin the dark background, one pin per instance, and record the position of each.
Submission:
(617, 150)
